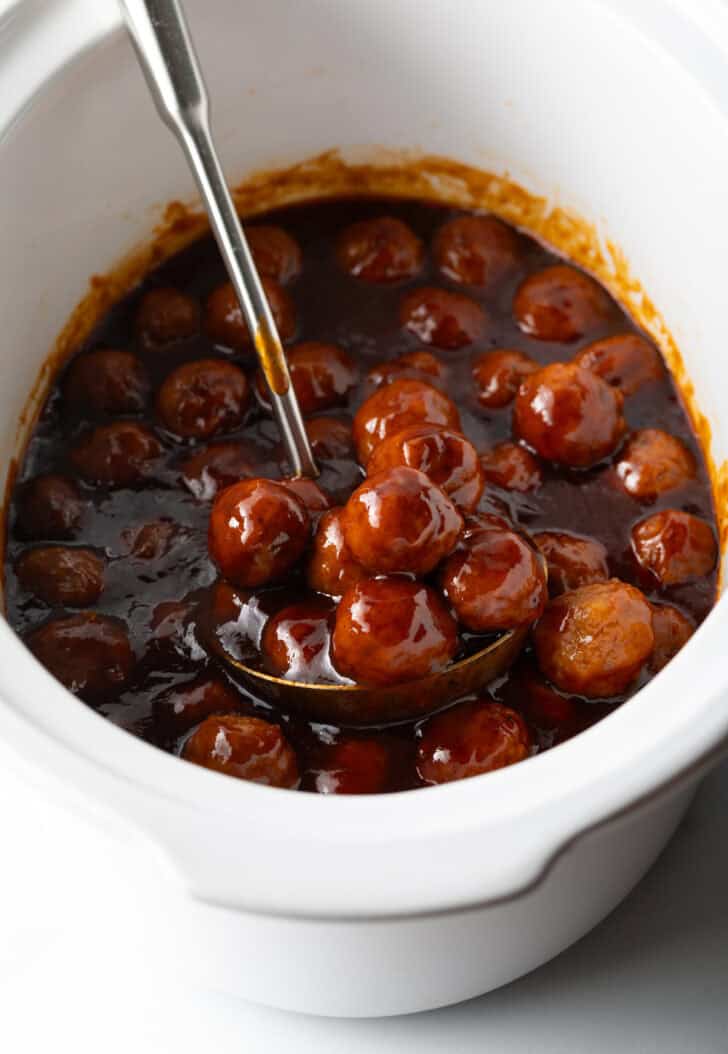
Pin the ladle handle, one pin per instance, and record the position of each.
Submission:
(167, 56)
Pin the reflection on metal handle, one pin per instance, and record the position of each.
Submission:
(167, 57)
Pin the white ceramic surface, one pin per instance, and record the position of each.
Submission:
(377, 905)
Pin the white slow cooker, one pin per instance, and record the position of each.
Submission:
(616, 109)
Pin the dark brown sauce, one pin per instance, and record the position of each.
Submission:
(361, 318)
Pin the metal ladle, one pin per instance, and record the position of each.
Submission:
(164, 47)
(358, 704)
(167, 56)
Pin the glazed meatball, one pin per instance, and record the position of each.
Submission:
(417, 364)
(395, 406)
(258, 530)
(480, 520)
(88, 653)
(309, 492)
(672, 631)
(173, 626)
(498, 375)
(231, 622)
(49, 506)
(512, 467)
(446, 457)
(218, 466)
(117, 455)
(182, 707)
(572, 561)
(107, 382)
(495, 582)
(62, 576)
(332, 569)
(593, 641)
(440, 317)
(277, 255)
(398, 520)
(469, 739)
(353, 766)
(390, 630)
(330, 438)
(653, 463)
(560, 304)
(202, 399)
(296, 641)
(321, 374)
(674, 546)
(625, 361)
(151, 541)
(475, 250)
(569, 415)
(542, 705)
(166, 316)
(383, 250)
(245, 747)
(224, 320)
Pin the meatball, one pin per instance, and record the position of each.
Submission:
(498, 375)
(672, 631)
(296, 641)
(330, 438)
(174, 632)
(389, 630)
(417, 364)
(625, 361)
(653, 463)
(166, 316)
(395, 406)
(569, 415)
(475, 250)
(560, 304)
(62, 576)
(480, 519)
(383, 250)
(446, 457)
(443, 318)
(332, 569)
(572, 561)
(541, 704)
(277, 255)
(496, 581)
(218, 466)
(224, 320)
(117, 455)
(674, 546)
(512, 467)
(182, 707)
(321, 374)
(354, 766)
(594, 640)
(49, 506)
(258, 530)
(398, 520)
(88, 653)
(246, 747)
(107, 382)
(150, 541)
(231, 623)
(309, 492)
(470, 739)
(203, 398)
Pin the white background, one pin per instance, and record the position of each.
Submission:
(652, 978)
